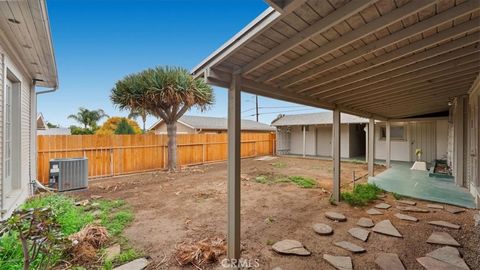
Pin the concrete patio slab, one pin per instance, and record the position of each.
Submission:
(418, 184)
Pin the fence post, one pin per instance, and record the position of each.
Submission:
(112, 172)
(164, 149)
(204, 146)
(255, 146)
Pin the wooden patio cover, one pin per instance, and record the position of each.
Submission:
(381, 59)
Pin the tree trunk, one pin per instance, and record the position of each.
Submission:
(144, 119)
(172, 146)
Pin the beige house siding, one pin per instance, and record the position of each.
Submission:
(181, 129)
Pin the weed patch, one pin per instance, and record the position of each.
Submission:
(361, 194)
(279, 165)
(300, 181)
(303, 182)
(114, 215)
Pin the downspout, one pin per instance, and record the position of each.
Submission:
(34, 181)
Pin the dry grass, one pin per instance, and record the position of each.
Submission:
(201, 252)
(86, 243)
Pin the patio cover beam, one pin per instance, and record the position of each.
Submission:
(320, 26)
(371, 146)
(336, 154)
(223, 79)
(234, 143)
(350, 37)
(386, 41)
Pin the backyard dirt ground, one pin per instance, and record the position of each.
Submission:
(191, 205)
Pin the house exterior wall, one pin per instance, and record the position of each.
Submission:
(318, 141)
(473, 144)
(25, 97)
(400, 149)
(434, 133)
(181, 129)
(442, 138)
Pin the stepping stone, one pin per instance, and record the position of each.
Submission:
(359, 233)
(454, 210)
(290, 247)
(373, 211)
(112, 252)
(381, 196)
(322, 229)
(406, 217)
(445, 224)
(442, 238)
(335, 216)
(365, 222)
(383, 206)
(138, 264)
(339, 262)
(413, 209)
(433, 264)
(407, 202)
(389, 261)
(449, 255)
(350, 246)
(386, 227)
(435, 206)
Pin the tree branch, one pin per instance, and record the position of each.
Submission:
(181, 112)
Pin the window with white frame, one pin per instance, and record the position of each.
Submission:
(397, 133)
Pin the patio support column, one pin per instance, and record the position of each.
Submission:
(388, 143)
(234, 134)
(304, 140)
(336, 155)
(371, 146)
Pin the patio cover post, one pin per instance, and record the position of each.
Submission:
(371, 146)
(388, 143)
(234, 135)
(304, 139)
(336, 155)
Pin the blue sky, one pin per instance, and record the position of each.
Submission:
(98, 42)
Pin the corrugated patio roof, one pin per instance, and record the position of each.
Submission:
(217, 123)
(321, 118)
(385, 59)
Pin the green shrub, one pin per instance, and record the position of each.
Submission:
(361, 195)
(303, 182)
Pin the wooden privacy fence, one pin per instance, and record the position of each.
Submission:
(110, 155)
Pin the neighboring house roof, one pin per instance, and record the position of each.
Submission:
(320, 118)
(41, 123)
(216, 123)
(54, 131)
